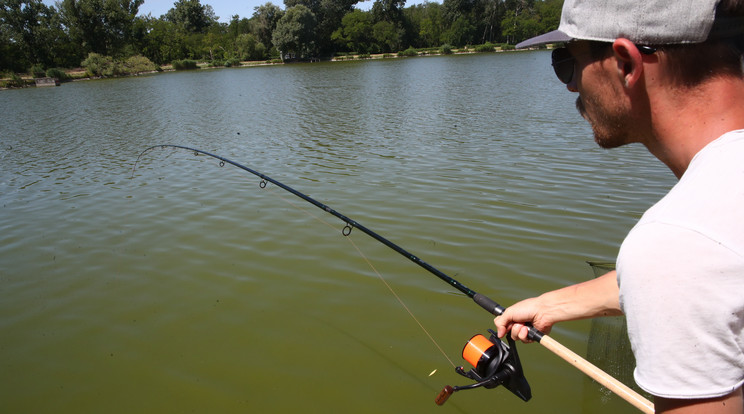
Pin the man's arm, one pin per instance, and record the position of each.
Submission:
(596, 297)
(729, 404)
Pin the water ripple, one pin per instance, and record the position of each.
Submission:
(189, 277)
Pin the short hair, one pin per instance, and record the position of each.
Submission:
(721, 54)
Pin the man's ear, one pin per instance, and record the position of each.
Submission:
(629, 61)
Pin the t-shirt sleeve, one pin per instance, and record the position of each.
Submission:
(683, 296)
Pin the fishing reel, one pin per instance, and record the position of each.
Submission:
(495, 363)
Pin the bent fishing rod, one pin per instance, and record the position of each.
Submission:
(495, 363)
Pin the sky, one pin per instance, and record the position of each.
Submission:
(225, 9)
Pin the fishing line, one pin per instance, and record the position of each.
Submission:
(495, 362)
(346, 231)
(374, 269)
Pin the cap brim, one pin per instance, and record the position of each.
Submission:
(556, 36)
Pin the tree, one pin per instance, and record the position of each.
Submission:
(161, 41)
(461, 32)
(100, 26)
(330, 16)
(355, 33)
(521, 22)
(387, 36)
(191, 16)
(388, 10)
(428, 22)
(238, 26)
(295, 33)
(31, 34)
(266, 17)
(248, 48)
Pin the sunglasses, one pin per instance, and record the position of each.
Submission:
(564, 63)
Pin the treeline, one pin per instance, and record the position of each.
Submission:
(35, 37)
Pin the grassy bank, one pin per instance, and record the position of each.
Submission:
(97, 66)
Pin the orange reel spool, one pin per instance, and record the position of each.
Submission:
(475, 349)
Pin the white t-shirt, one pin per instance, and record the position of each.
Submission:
(681, 278)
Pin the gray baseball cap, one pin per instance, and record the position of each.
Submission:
(648, 22)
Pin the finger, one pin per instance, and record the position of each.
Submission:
(521, 333)
(501, 328)
(516, 331)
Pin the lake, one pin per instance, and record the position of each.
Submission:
(181, 286)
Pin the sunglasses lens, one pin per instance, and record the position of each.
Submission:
(563, 64)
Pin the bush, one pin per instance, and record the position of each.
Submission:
(15, 81)
(232, 62)
(488, 47)
(445, 49)
(56, 73)
(408, 52)
(185, 64)
(138, 64)
(99, 65)
(38, 71)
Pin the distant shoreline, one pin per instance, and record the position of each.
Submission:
(80, 74)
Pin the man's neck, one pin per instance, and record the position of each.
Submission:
(684, 122)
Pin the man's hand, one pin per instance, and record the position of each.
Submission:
(517, 317)
(596, 297)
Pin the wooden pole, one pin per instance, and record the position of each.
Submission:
(605, 379)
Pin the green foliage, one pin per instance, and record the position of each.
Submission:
(57, 73)
(190, 16)
(34, 36)
(37, 71)
(355, 32)
(138, 64)
(264, 20)
(185, 64)
(31, 34)
(408, 52)
(487, 47)
(461, 32)
(99, 26)
(15, 81)
(99, 65)
(249, 48)
(295, 33)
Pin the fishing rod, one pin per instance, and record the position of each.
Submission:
(495, 363)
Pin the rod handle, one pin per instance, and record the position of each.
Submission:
(488, 304)
(605, 379)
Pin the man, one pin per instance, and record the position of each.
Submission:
(668, 75)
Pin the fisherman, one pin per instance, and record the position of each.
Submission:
(668, 75)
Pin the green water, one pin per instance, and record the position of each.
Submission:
(187, 288)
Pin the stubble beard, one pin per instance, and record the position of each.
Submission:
(610, 127)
